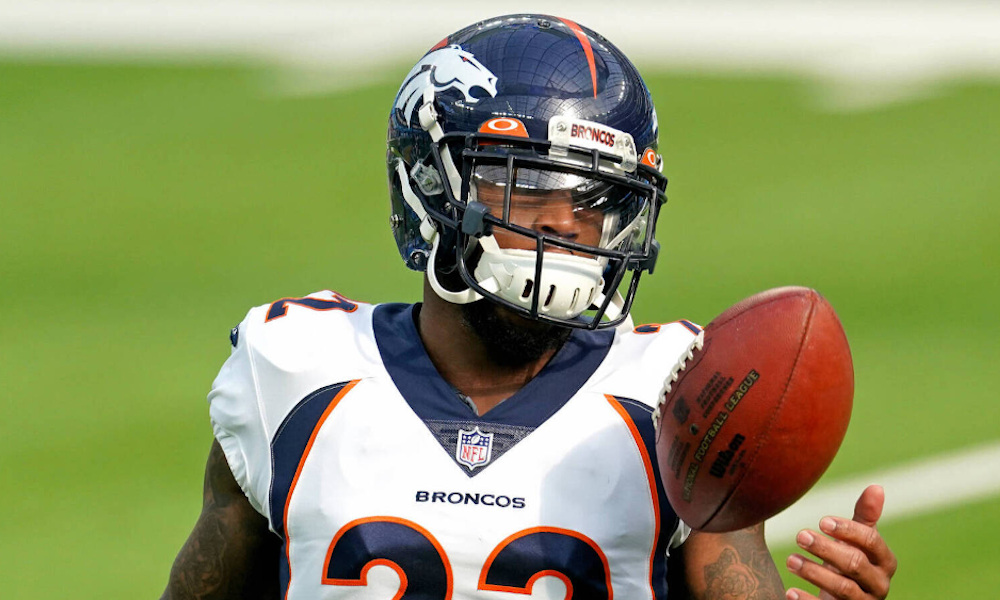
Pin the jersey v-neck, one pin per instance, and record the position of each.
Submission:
(432, 398)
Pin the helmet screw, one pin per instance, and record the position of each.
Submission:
(560, 127)
(544, 23)
(419, 259)
(395, 221)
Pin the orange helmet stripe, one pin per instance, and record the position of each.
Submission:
(587, 49)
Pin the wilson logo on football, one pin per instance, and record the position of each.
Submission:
(505, 126)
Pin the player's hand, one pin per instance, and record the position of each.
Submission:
(857, 563)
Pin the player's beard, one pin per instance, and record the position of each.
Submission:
(510, 339)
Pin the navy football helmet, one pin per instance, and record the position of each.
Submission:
(523, 168)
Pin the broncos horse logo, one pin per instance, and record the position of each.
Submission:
(444, 68)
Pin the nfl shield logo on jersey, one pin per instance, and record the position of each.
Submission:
(474, 448)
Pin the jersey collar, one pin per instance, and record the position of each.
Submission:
(432, 398)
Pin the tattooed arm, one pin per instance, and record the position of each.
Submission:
(231, 553)
(725, 566)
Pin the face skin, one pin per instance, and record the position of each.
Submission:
(549, 212)
(509, 338)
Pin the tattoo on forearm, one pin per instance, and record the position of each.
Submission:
(219, 538)
(199, 570)
(743, 572)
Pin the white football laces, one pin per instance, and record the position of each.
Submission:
(696, 344)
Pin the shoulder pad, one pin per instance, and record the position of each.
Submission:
(283, 351)
(640, 359)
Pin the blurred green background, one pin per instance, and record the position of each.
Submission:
(145, 208)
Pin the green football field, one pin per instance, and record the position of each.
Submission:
(144, 209)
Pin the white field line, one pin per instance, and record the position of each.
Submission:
(865, 53)
(911, 489)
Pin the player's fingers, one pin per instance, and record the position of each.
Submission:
(846, 561)
(797, 594)
(868, 508)
(864, 537)
(837, 586)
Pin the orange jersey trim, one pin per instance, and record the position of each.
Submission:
(650, 478)
(298, 471)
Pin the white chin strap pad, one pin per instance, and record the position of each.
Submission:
(461, 297)
(570, 284)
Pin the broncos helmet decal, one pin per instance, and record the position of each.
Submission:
(444, 68)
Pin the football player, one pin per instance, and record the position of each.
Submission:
(496, 438)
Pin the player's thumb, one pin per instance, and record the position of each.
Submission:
(868, 509)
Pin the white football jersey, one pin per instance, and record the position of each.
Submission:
(384, 483)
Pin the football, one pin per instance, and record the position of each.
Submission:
(754, 412)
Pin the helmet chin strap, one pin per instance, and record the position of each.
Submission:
(428, 118)
(427, 229)
(615, 310)
(430, 234)
(466, 296)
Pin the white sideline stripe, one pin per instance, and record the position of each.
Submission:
(865, 53)
(912, 489)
